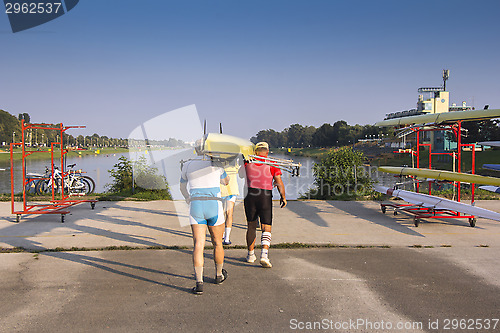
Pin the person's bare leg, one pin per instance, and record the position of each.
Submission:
(229, 220)
(199, 233)
(251, 235)
(266, 243)
(216, 234)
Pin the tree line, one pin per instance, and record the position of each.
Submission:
(477, 131)
(10, 131)
(342, 134)
(327, 135)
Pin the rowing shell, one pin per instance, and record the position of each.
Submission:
(442, 175)
(437, 203)
(495, 167)
(444, 117)
(494, 189)
(489, 143)
(225, 146)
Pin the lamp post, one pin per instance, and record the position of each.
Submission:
(13, 137)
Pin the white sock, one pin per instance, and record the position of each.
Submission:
(198, 274)
(264, 253)
(251, 253)
(218, 269)
(265, 238)
(226, 234)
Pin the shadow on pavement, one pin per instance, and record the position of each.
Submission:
(307, 212)
(105, 264)
(19, 234)
(357, 209)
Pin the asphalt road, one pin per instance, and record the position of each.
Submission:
(396, 289)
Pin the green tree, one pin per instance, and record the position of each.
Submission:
(8, 125)
(323, 137)
(122, 175)
(341, 175)
(137, 176)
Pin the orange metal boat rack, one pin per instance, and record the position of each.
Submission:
(59, 203)
(421, 212)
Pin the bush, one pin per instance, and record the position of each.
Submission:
(340, 175)
(137, 179)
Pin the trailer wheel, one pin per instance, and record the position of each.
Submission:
(395, 212)
(92, 205)
(383, 209)
(472, 222)
(62, 218)
(416, 221)
(18, 218)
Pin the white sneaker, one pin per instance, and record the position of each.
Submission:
(251, 258)
(265, 263)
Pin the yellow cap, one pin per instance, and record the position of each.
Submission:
(262, 145)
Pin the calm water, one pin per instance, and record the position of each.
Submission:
(167, 162)
(95, 166)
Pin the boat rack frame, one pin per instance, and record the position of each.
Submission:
(419, 212)
(59, 203)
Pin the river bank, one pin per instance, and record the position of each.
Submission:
(45, 155)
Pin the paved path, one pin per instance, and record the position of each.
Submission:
(343, 289)
(148, 291)
(157, 223)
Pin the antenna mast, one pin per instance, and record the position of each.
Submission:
(446, 75)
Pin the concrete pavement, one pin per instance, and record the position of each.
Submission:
(346, 288)
(156, 223)
(394, 287)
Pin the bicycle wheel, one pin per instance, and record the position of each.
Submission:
(91, 183)
(88, 186)
(42, 187)
(30, 187)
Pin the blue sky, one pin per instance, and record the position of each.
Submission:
(114, 64)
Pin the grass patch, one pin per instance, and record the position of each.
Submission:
(417, 246)
(445, 245)
(483, 245)
(128, 195)
(295, 245)
(305, 152)
(137, 195)
(42, 198)
(13, 250)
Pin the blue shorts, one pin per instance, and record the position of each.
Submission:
(207, 212)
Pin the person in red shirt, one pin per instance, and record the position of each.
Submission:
(258, 203)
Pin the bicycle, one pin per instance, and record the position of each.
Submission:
(74, 182)
(32, 179)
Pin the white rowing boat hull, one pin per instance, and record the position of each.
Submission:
(430, 201)
(495, 189)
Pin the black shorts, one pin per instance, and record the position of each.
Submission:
(259, 204)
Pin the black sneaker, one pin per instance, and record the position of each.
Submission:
(221, 278)
(198, 290)
(227, 242)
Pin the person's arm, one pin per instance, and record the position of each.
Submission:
(184, 191)
(224, 178)
(242, 171)
(224, 181)
(281, 190)
(183, 184)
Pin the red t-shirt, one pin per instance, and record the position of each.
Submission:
(261, 175)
